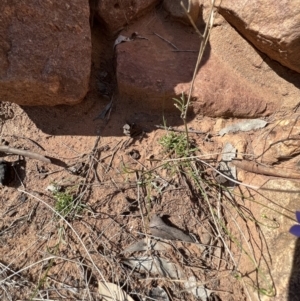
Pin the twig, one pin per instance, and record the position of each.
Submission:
(166, 40)
(70, 226)
(191, 20)
(29, 139)
(203, 44)
(16, 173)
(265, 170)
(178, 50)
(106, 111)
(21, 152)
(33, 210)
(169, 128)
(111, 159)
(294, 137)
(13, 224)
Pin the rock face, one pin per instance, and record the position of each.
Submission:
(273, 27)
(177, 12)
(281, 260)
(233, 80)
(45, 51)
(273, 204)
(116, 14)
(280, 143)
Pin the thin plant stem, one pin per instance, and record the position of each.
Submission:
(203, 44)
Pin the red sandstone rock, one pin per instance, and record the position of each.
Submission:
(45, 51)
(116, 14)
(272, 26)
(234, 80)
(177, 12)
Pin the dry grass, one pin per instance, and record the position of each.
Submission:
(72, 253)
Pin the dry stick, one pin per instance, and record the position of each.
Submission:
(111, 159)
(220, 173)
(74, 231)
(190, 18)
(216, 224)
(265, 170)
(200, 55)
(15, 151)
(166, 41)
(16, 173)
(221, 237)
(26, 138)
(184, 50)
(242, 234)
(13, 273)
(92, 159)
(178, 130)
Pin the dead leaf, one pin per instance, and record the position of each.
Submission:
(244, 126)
(158, 293)
(227, 169)
(112, 292)
(155, 266)
(199, 291)
(228, 152)
(120, 39)
(159, 229)
(107, 108)
(147, 244)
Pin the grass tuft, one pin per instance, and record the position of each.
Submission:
(65, 203)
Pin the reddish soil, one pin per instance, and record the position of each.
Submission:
(53, 261)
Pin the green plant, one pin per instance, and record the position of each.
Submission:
(175, 143)
(65, 203)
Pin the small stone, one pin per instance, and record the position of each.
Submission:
(219, 125)
(53, 188)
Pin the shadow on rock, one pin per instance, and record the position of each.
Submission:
(145, 89)
(81, 120)
(287, 74)
(294, 282)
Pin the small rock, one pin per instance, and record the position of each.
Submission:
(219, 125)
(53, 188)
(132, 130)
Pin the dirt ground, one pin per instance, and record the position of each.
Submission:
(120, 181)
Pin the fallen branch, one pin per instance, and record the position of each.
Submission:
(21, 152)
(265, 170)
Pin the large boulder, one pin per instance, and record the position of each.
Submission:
(234, 80)
(117, 14)
(175, 9)
(272, 26)
(45, 51)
